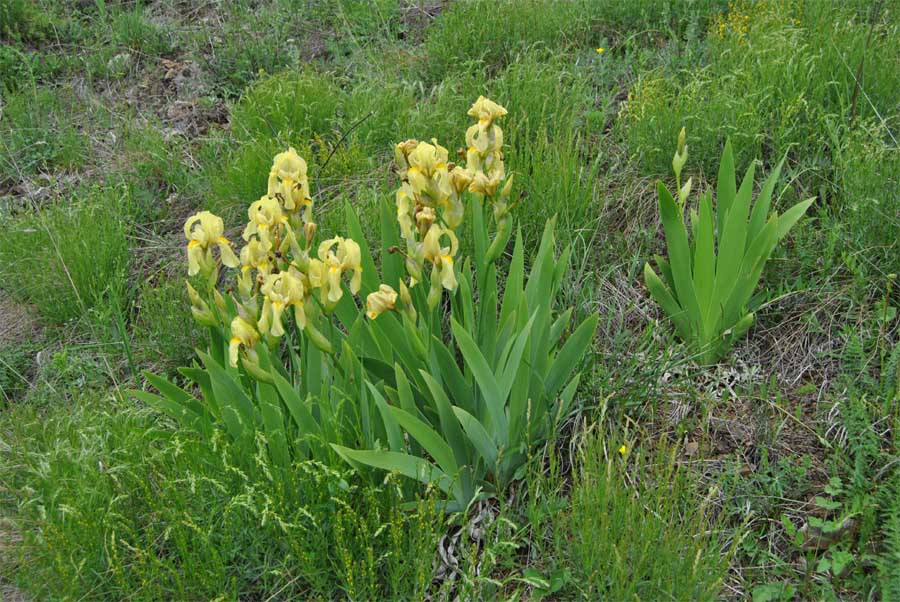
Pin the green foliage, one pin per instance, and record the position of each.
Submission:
(864, 215)
(709, 282)
(113, 506)
(16, 69)
(890, 376)
(132, 30)
(491, 32)
(67, 259)
(286, 110)
(634, 528)
(889, 561)
(554, 170)
(358, 22)
(21, 20)
(638, 15)
(164, 331)
(239, 54)
(155, 173)
(777, 74)
(288, 107)
(71, 371)
(16, 362)
(39, 134)
(512, 388)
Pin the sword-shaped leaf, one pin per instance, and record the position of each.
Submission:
(725, 187)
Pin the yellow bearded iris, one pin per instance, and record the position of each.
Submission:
(336, 256)
(288, 180)
(243, 334)
(441, 257)
(266, 219)
(460, 180)
(405, 207)
(484, 156)
(427, 174)
(401, 155)
(485, 135)
(382, 300)
(281, 291)
(204, 231)
(256, 255)
(486, 110)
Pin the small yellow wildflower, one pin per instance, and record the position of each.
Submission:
(623, 450)
(601, 50)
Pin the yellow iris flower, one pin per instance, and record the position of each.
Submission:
(427, 174)
(401, 155)
(281, 291)
(255, 255)
(288, 180)
(405, 206)
(204, 231)
(266, 219)
(485, 135)
(486, 184)
(243, 334)
(484, 156)
(424, 218)
(486, 110)
(382, 300)
(441, 257)
(336, 256)
(460, 180)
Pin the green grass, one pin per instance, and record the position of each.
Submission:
(39, 134)
(489, 34)
(16, 366)
(766, 104)
(67, 259)
(724, 464)
(21, 20)
(131, 30)
(637, 528)
(128, 508)
(164, 331)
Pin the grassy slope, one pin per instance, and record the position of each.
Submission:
(772, 474)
